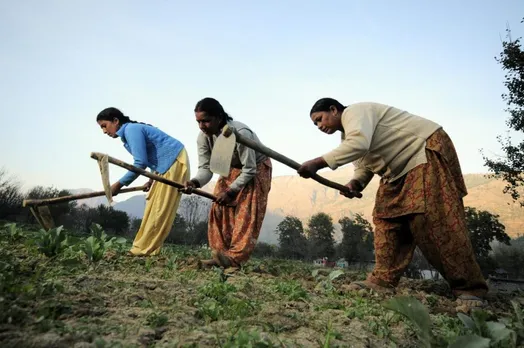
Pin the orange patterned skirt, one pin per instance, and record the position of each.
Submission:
(234, 231)
(424, 208)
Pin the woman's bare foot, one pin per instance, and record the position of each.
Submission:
(366, 286)
(203, 264)
(223, 260)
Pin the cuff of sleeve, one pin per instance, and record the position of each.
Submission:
(127, 179)
(234, 188)
(362, 183)
(202, 177)
(124, 182)
(363, 179)
(331, 161)
(196, 182)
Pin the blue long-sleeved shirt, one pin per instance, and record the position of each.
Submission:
(150, 147)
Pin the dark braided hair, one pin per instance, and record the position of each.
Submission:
(325, 104)
(213, 108)
(109, 114)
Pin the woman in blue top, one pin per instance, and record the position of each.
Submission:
(164, 155)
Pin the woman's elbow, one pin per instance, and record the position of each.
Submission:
(140, 164)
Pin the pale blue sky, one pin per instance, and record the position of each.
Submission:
(61, 62)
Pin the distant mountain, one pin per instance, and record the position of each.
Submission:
(90, 202)
(293, 195)
(302, 198)
(133, 206)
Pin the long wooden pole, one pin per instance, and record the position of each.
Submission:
(49, 201)
(285, 160)
(98, 155)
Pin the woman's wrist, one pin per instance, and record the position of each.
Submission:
(356, 185)
(231, 193)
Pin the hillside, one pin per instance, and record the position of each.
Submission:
(292, 195)
(90, 202)
(302, 198)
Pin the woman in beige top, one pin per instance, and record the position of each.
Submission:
(419, 200)
(232, 231)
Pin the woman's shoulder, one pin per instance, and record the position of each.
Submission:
(365, 109)
(241, 127)
(238, 124)
(147, 130)
(202, 139)
(366, 105)
(132, 130)
(134, 127)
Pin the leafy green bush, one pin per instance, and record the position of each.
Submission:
(220, 300)
(14, 233)
(52, 242)
(96, 245)
(482, 333)
(326, 284)
(292, 289)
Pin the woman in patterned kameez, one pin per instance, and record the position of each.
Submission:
(420, 197)
(232, 231)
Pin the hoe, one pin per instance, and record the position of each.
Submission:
(40, 207)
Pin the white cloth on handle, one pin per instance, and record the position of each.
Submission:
(104, 172)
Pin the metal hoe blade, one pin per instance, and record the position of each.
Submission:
(220, 162)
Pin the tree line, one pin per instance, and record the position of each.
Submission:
(190, 229)
(494, 249)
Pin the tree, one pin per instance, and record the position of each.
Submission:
(320, 236)
(112, 220)
(194, 234)
(357, 239)
(135, 225)
(511, 258)
(511, 167)
(178, 233)
(484, 228)
(190, 225)
(291, 239)
(194, 210)
(184, 234)
(10, 196)
(263, 250)
(199, 233)
(60, 212)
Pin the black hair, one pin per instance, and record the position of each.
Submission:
(325, 104)
(212, 108)
(109, 114)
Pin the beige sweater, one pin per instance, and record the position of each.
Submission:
(380, 139)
